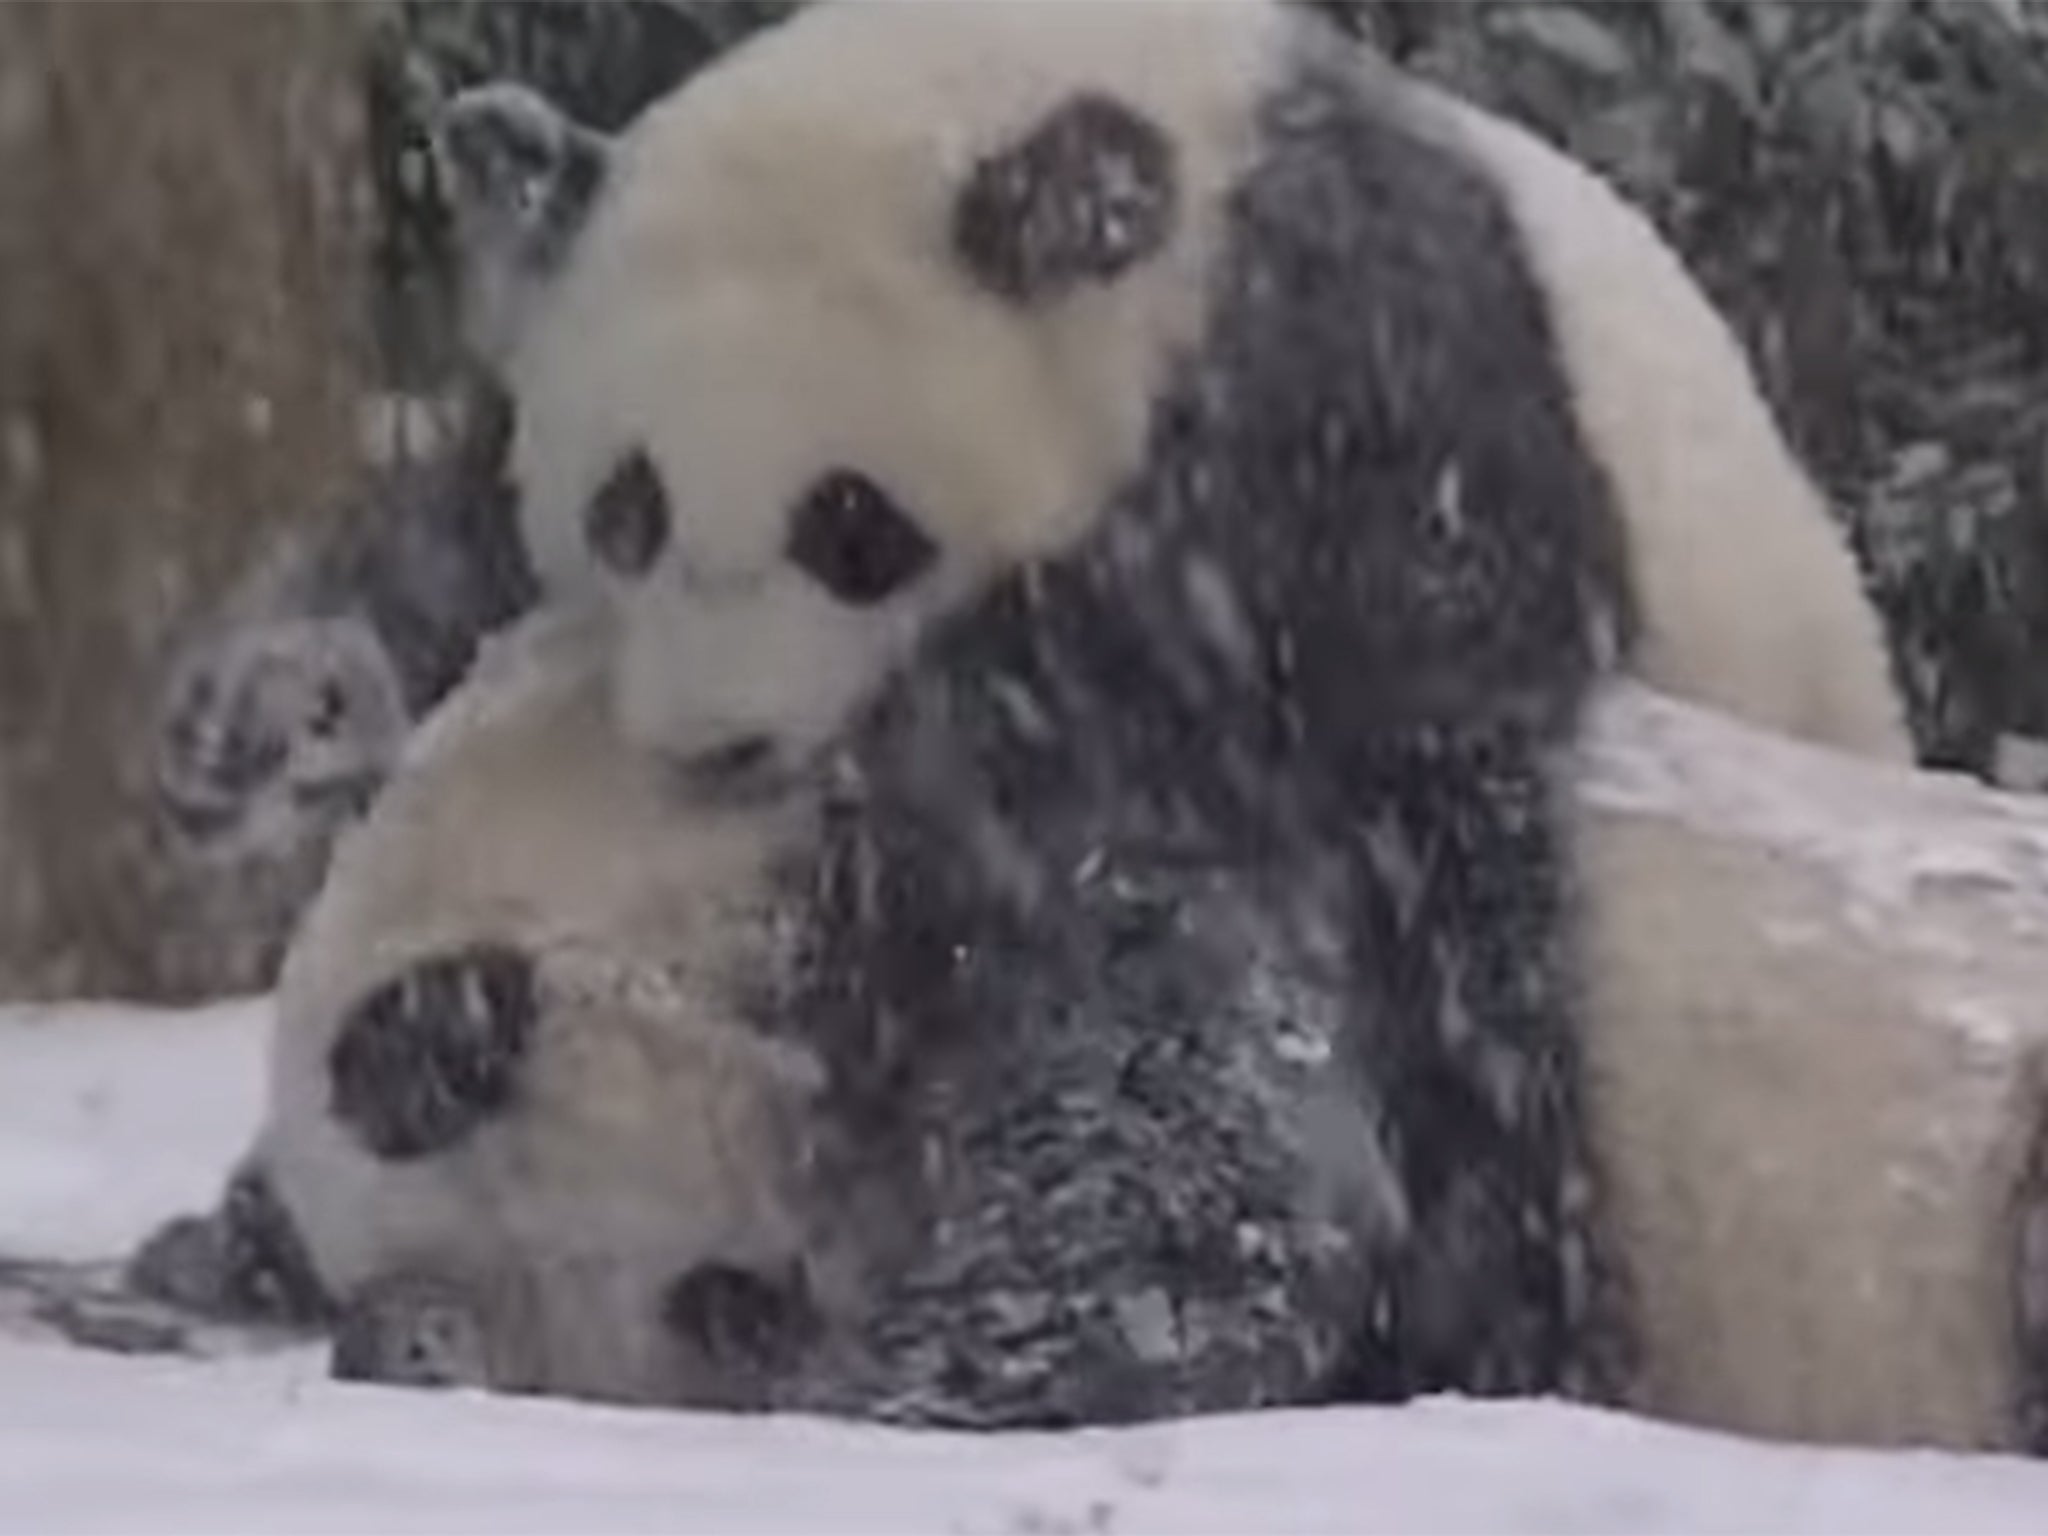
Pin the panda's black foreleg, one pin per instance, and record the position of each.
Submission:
(1502, 1285)
(424, 1060)
(2029, 1259)
(750, 1325)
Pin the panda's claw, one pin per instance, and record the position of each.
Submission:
(425, 1059)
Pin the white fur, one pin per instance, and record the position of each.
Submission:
(1830, 1079)
(650, 1126)
(1750, 598)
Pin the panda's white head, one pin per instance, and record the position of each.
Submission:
(870, 313)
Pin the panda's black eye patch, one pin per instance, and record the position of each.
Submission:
(850, 536)
(626, 523)
(741, 1318)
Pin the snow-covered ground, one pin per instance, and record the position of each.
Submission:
(96, 1442)
(112, 1119)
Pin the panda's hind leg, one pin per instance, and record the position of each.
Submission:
(242, 1261)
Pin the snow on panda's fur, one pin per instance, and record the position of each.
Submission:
(1167, 483)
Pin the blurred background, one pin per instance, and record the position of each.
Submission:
(250, 517)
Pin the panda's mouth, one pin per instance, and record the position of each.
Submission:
(743, 771)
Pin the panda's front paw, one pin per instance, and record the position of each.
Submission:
(276, 734)
(425, 1059)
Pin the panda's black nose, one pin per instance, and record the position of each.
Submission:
(735, 760)
(737, 769)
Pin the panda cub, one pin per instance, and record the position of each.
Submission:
(1096, 526)
(1006, 285)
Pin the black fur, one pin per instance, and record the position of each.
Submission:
(245, 1260)
(1086, 195)
(2030, 1297)
(440, 563)
(626, 524)
(425, 1059)
(741, 1321)
(1192, 938)
(849, 535)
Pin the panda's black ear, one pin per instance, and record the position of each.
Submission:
(1086, 194)
(521, 176)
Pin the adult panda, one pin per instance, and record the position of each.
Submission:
(1160, 488)
(513, 1101)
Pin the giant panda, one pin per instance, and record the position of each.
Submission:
(543, 1116)
(482, 1040)
(1146, 491)
(870, 327)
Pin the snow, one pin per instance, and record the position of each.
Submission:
(112, 1119)
(1889, 832)
(99, 1443)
